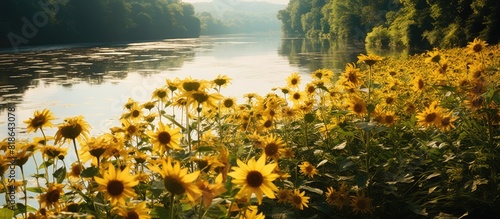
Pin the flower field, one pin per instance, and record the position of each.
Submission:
(384, 138)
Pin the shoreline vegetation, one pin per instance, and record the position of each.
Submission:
(384, 138)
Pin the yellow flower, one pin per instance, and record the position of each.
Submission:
(117, 185)
(322, 75)
(297, 97)
(222, 81)
(203, 98)
(40, 120)
(273, 146)
(53, 152)
(52, 196)
(211, 190)
(361, 204)
(307, 169)
(75, 171)
(331, 195)
(357, 106)
(133, 211)
(433, 56)
(228, 104)
(177, 181)
(446, 122)
(341, 197)
(352, 74)
(73, 128)
(369, 59)
(418, 84)
(173, 85)
(476, 46)
(165, 138)
(293, 81)
(299, 200)
(160, 94)
(284, 195)
(430, 116)
(255, 178)
(251, 213)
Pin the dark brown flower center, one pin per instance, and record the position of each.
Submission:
(161, 94)
(311, 89)
(115, 187)
(389, 100)
(254, 179)
(421, 84)
(164, 137)
(430, 117)
(174, 185)
(76, 170)
(297, 199)
(228, 103)
(294, 81)
(271, 149)
(296, 96)
(97, 152)
(358, 108)
(362, 204)
(131, 129)
(268, 124)
(477, 47)
(53, 196)
(389, 119)
(191, 86)
(71, 131)
(445, 121)
(132, 215)
(135, 113)
(38, 121)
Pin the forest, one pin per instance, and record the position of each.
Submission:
(28, 22)
(415, 24)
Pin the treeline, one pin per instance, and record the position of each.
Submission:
(24, 22)
(416, 24)
(234, 16)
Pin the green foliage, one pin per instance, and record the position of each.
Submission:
(98, 20)
(418, 24)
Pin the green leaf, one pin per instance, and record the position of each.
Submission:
(90, 172)
(361, 180)
(46, 164)
(35, 189)
(417, 209)
(6, 213)
(321, 163)
(60, 174)
(20, 208)
(309, 118)
(340, 146)
(311, 189)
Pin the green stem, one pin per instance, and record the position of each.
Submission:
(25, 191)
(172, 206)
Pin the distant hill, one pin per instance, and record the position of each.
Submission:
(233, 16)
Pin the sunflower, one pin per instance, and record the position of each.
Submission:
(53, 152)
(211, 190)
(446, 122)
(4, 164)
(430, 116)
(299, 200)
(433, 56)
(73, 128)
(133, 211)
(40, 120)
(228, 104)
(341, 197)
(273, 146)
(297, 97)
(251, 213)
(293, 81)
(361, 204)
(310, 89)
(418, 84)
(322, 75)
(284, 195)
(94, 147)
(75, 171)
(369, 59)
(266, 123)
(255, 177)
(165, 138)
(307, 169)
(51, 196)
(331, 195)
(132, 128)
(352, 74)
(357, 106)
(189, 85)
(221, 81)
(203, 98)
(135, 112)
(160, 94)
(117, 185)
(476, 46)
(177, 181)
(173, 85)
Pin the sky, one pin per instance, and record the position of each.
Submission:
(284, 2)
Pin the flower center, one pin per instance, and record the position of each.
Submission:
(228, 103)
(115, 187)
(254, 178)
(173, 185)
(135, 113)
(71, 131)
(132, 215)
(297, 199)
(271, 149)
(131, 129)
(296, 96)
(311, 89)
(191, 86)
(164, 137)
(53, 196)
(268, 123)
(477, 48)
(420, 84)
(161, 94)
(38, 121)
(362, 204)
(430, 117)
(294, 81)
(445, 121)
(358, 108)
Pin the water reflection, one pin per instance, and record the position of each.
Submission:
(314, 54)
(94, 65)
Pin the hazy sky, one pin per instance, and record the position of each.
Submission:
(272, 1)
